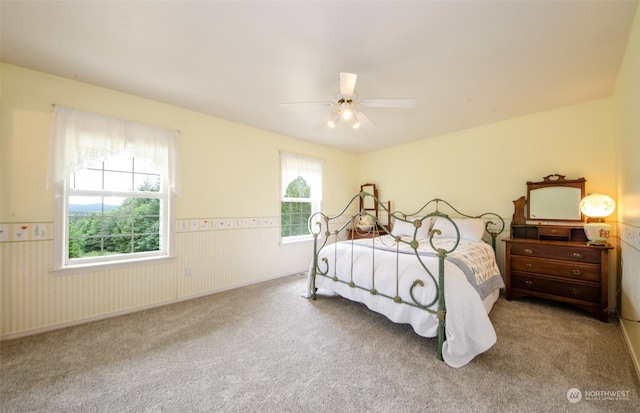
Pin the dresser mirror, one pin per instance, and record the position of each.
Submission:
(555, 199)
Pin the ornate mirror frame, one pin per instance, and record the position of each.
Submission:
(555, 199)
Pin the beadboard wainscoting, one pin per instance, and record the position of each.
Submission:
(209, 258)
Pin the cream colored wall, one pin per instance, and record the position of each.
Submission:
(230, 173)
(227, 169)
(627, 108)
(486, 168)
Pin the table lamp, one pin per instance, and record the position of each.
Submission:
(596, 207)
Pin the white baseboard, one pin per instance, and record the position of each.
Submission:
(634, 348)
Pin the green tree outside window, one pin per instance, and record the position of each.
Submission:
(295, 211)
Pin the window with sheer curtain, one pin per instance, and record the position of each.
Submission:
(301, 194)
(115, 182)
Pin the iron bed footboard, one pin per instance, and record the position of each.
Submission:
(328, 230)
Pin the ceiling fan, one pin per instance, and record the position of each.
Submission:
(346, 105)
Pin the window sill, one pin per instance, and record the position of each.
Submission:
(287, 241)
(105, 266)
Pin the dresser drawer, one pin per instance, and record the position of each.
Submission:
(554, 232)
(572, 270)
(558, 252)
(577, 291)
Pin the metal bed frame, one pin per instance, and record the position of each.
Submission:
(321, 224)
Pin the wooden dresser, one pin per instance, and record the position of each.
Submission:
(555, 262)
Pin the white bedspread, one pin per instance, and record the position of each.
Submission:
(469, 331)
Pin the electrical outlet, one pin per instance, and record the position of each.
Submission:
(188, 271)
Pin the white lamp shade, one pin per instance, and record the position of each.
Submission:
(597, 206)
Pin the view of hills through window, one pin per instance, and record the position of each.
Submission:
(114, 207)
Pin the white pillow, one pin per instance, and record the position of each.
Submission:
(471, 229)
(406, 229)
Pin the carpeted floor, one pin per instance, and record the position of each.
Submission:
(264, 348)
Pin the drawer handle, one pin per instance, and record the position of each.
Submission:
(529, 283)
(528, 251)
(576, 291)
(553, 231)
(529, 266)
(577, 273)
(576, 255)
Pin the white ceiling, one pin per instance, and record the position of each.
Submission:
(466, 63)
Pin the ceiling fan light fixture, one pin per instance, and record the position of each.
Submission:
(345, 109)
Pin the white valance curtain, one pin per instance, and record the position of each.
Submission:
(80, 139)
(310, 169)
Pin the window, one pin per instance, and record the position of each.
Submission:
(296, 208)
(115, 201)
(115, 207)
(301, 189)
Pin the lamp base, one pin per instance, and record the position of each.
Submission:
(597, 233)
(601, 243)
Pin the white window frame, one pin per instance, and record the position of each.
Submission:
(61, 226)
(310, 169)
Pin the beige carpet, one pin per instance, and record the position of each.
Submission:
(264, 348)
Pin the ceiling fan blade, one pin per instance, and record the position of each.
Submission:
(302, 104)
(365, 122)
(389, 103)
(347, 84)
